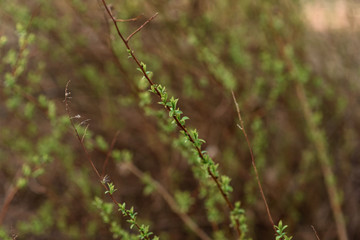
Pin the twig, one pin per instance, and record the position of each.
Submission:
(129, 20)
(242, 128)
(183, 128)
(141, 27)
(317, 236)
(124, 20)
(67, 108)
(104, 183)
(9, 196)
(83, 137)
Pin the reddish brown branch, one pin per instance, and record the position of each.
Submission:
(10, 194)
(242, 128)
(141, 27)
(67, 108)
(128, 20)
(131, 52)
(317, 236)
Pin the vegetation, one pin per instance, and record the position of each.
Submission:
(175, 120)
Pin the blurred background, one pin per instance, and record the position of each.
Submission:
(294, 68)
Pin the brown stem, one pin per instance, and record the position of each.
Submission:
(141, 27)
(242, 128)
(88, 157)
(10, 194)
(316, 235)
(128, 20)
(131, 52)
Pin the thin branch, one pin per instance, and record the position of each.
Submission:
(242, 128)
(141, 27)
(104, 183)
(129, 20)
(9, 196)
(85, 131)
(183, 128)
(317, 236)
(67, 108)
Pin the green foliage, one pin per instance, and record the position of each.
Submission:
(194, 54)
(4, 235)
(149, 184)
(280, 232)
(143, 230)
(111, 189)
(184, 200)
(106, 212)
(40, 223)
(238, 215)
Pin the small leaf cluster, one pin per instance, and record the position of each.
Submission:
(144, 232)
(280, 232)
(3, 234)
(111, 188)
(184, 200)
(238, 215)
(106, 210)
(171, 104)
(33, 168)
(150, 186)
(195, 136)
(122, 155)
(225, 184)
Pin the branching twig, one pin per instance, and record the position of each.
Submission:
(67, 108)
(182, 127)
(141, 27)
(242, 128)
(101, 179)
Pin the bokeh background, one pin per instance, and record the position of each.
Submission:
(294, 68)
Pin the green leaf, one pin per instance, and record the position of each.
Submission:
(21, 183)
(3, 40)
(101, 143)
(26, 170)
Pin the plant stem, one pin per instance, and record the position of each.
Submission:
(242, 128)
(183, 128)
